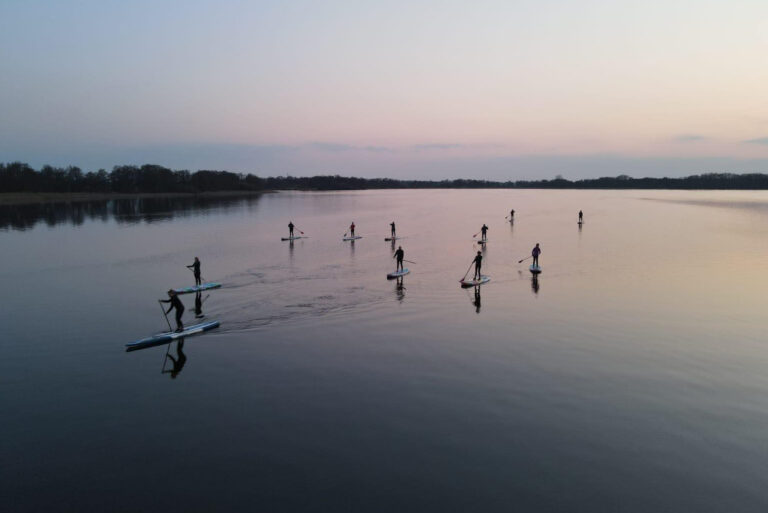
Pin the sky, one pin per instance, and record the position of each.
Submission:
(508, 89)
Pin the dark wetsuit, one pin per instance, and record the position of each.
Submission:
(392, 225)
(352, 229)
(484, 229)
(581, 215)
(511, 214)
(177, 304)
(478, 264)
(399, 254)
(290, 229)
(196, 269)
(535, 254)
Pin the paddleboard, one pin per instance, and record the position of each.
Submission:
(535, 269)
(204, 286)
(169, 336)
(392, 238)
(473, 282)
(353, 238)
(294, 238)
(397, 274)
(481, 241)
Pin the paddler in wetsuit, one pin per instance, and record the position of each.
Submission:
(177, 304)
(483, 230)
(478, 264)
(581, 216)
(196, 269)
(352, 229)
(290, 229)
(399, 254)
(512, 215)
(392, 226)
(535, 254)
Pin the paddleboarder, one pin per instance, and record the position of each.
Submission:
(535, 254)
(392, 225)
(176, 303)
(581, 216)
(290, 229)
(196, 269)
(483, 230)
(352, 229)
(512, 215)
(478, 264)
(399, 254)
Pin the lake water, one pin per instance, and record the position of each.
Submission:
(632, 376)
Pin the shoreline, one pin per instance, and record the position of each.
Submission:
(28, 198)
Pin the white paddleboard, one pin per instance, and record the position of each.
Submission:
(535, 269)
(473, 282)
(353, 238)
(397, 274)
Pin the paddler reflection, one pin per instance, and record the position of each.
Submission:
(476, 300)
(178, 362)
(535, 283)
(399, 288)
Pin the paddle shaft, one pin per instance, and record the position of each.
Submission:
(409, 261)
(165, 315)
(524, 259)
(470, 267)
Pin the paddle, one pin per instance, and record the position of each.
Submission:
(465, 274)
(165, 315)
(524, 259)
(409, 261)
(475, 235)
(298, 229)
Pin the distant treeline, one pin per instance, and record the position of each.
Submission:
(149, 178)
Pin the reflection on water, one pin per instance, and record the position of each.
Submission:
(535, 283)
(123, 211)
(476, 300)
(177, 363)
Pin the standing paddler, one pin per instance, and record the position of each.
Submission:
(352, 229)
(196, 269)
(176, 303)
(535, 254)
(581, 216)
(484, 231)
(478, 261)
(290, 229)
(392, 226)
(399, 254)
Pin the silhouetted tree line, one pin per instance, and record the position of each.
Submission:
(150, 178)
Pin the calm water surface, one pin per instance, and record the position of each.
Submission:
(631, 376)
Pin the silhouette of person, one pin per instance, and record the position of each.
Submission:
(290, 229)
(478, 264)
(392, 226)
(196, 269)
(399, 254)
(483, 230)
(535, 254)
(176, 303)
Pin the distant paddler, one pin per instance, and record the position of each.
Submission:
(512, 215)
(352, 229)
(484, 231)
(196, 269)
(581, 217)
(290, 229)
(399, 254)
(392, 226)
(176, 303)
